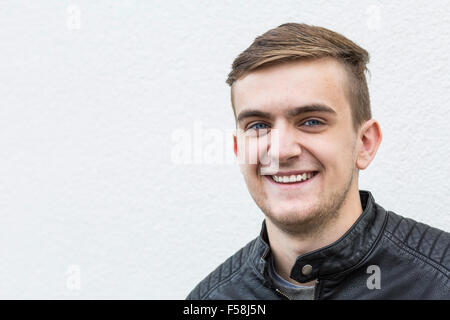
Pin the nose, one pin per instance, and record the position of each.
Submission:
(284, 145)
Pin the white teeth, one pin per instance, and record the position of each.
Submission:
(293, 178)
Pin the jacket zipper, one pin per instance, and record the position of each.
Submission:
(283, 294)
(314, 292)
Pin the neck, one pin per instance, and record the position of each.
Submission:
(286, 247)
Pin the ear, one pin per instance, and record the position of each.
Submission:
(370, 138)
(235, 144)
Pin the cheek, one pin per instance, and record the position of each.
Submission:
(253, 151)
(331, 154)
(338, 160)
(249, 171)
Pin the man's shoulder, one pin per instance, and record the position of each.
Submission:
(223, 273)
(428, 243)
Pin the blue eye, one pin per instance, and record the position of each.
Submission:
(257, 126)
(313, 120)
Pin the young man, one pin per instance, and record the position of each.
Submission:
(322, 238)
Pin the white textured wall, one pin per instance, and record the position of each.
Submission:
(92, 91)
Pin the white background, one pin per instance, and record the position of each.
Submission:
(92, 204)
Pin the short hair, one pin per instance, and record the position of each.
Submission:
(295, 41)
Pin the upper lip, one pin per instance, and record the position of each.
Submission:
(289, 173)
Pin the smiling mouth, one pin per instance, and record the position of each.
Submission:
(293, 179)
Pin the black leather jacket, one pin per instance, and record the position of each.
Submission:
(410, 259)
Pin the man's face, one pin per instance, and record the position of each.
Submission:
(316, 141)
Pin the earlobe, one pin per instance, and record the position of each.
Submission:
(370, 140)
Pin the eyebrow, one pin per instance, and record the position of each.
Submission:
(316, 107)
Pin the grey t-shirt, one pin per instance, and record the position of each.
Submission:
(293, 291)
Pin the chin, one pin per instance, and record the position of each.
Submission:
(297, 214)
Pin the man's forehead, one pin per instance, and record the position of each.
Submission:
(329, 68)
(280, 88)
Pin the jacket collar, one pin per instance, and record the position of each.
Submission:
(336, 258)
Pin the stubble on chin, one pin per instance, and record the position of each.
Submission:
(314, 221)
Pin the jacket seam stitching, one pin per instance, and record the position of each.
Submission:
(363, 258)
(422, 236)
(418, 255)
(223, 281)
(443, 255)
(434, 243)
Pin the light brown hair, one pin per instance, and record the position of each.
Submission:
(294, 41)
